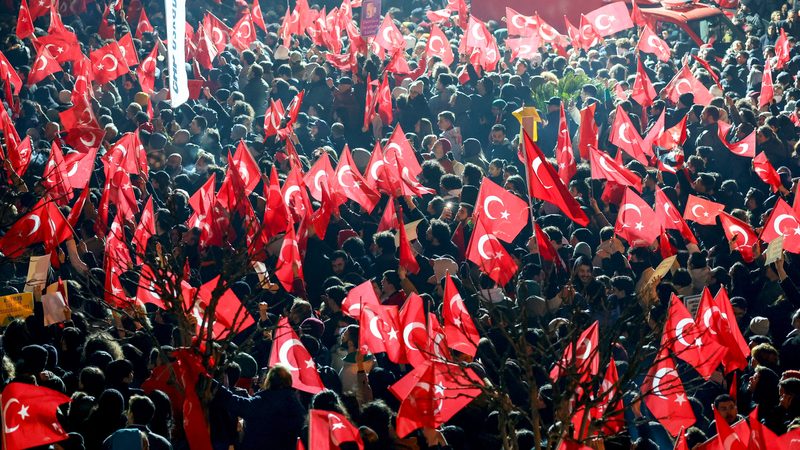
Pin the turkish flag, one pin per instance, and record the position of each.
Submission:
(273, 118)
(389, 38)
(740, 235)
(726, 437)
(144, 25)
(292, 110)
(782, 50)
(439, 46)
(385, 100)
(680, 441)
(63, 47)
(30, 416)
(588, 131)
(766, 172)
(320, 172)
(85, 139)
(545, 184)
(459, 329)
(369, 103)
(664, 395)
(589, 35)
(684, 338)
(289, 351)
(585, 361)
(783, 221)
(670, 218)
(79, 168)
(295, 196)
(363, 294)
(146, 72)
(650, 43)
(81, 117)
(416, 343)
(723, 320)
(507, 212)
(216, 30)
(610, 19)
(488, 253)
(636, 221)
(24, 21)
(438, 16)
(43, 66)
(28, 230)
(745, 147)
(546, 249)
(564, 156)
(407, 258)
(128, 50)
(54, 177)
(145, 229)
(379, 329)
(575, 36)
(128, 154)
(20, 158)
(288, 28)
(230, 315)
(624, 135)
(243, 34)
(352, 185)
(605, 168)
(290, 262)
(433, 393)
(702, 211)
(327, 430)
(684, 82)
(519, 24)
(148, 291)
(258, 16)
(767, 90)
(402, 166)
(108, 63)
(760, 435)
(10, 75)
(389, 218)
(642, 91)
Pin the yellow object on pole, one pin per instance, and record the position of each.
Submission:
(528, 117)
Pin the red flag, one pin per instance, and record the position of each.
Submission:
(604, 167)
(665, 397)
(24, 21)
(216, 30)
(782, 50)
(586, 359)
(258, 16)
(379, 326)
(351, 184)
(783, 221)
(642, 91)
(438, 45)
(295, 196)
(544, 183)
(9, 75)
(433, 393)
(650, 43)
(702, 211)
(389, 218)
(30, 416)
(128, 154)
(407, 258)
(79, 167)
(128, 50)
(81, 117)
(588, 131)
(43, 66)
(360, 295)
(54, 178)
(458, 325)
(740, 235)
(230, 316)
(27, 230)
(507, 212)
(670, 218)
(243, 34)
(625, 136)
(369, 104)
(766, 172)
(708, 68)
(546, 249)
(636, 15)
(492, 259)
(20, 158)
(521, 25)
(389, 38)
(290, 262)
(767, 90)
(680, 441)
(575, 36)
(146, 227)
(108, 63)
(327, 430)
(636, 221)
(273, 118)
(725, 434)
(289, 351)
(385, 100)
(683, 337)
(564, 156)
(146, 72)
(416, 342)
(144, 25)
(760, 435)
(589, 35)
(320, 173)
(610, 19)
(745, 147)
(684, 82)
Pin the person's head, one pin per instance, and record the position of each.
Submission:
(339, 261)
(445, 121)
(710, 115)
(390, 283)
(498, 133)
(582, 270)
(788, 390)
(140, 410)
(277, 378)
(496, 168)
(198, 125)
(300, 311)
(384, 244)
(726, 406)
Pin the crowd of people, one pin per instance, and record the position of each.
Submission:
(130, 362)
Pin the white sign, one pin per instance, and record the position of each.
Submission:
(176, 36)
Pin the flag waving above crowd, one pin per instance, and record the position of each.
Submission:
(399, 224)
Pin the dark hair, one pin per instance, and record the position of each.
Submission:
(142, 409)
(722, 398)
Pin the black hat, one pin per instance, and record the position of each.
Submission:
(554, 101)
(687, 99)
(469, 195)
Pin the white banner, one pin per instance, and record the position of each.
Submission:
(176, 36)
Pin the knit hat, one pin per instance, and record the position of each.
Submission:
(445, 144)
(313, 327)
(582, 248)
(759, 325)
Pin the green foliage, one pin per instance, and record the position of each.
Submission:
(568, 88)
